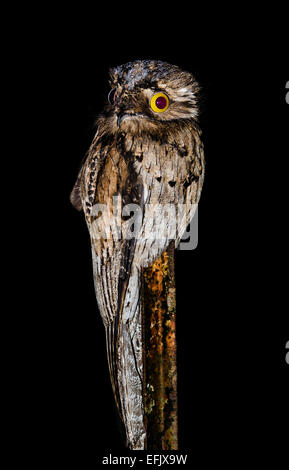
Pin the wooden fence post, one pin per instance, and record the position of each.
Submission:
(160, 366)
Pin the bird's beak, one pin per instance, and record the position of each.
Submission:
(119, 119)
(122, 117)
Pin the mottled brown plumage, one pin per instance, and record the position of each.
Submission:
(148, 159)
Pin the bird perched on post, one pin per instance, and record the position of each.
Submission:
(146, 157)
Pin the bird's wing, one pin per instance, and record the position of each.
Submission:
(108, 182)
(75, 197)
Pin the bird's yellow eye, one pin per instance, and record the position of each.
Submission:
(159, 102)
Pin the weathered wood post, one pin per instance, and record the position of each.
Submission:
(160, 366)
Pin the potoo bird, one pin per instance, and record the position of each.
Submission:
(146, 156)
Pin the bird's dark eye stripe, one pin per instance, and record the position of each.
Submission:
(111, 96)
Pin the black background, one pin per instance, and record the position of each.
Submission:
(232, 324)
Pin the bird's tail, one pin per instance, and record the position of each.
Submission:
(124, 350)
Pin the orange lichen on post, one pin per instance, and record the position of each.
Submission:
(160, 371)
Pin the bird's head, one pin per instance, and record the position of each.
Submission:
(146, 93)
